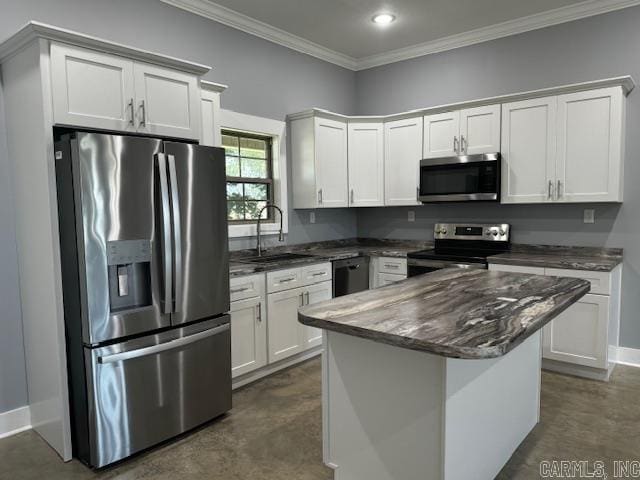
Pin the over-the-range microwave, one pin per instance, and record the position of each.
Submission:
(462, 178)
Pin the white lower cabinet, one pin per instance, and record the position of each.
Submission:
(581, 335)
(285, 338)
(248, 336)
(314, 294)
(387, 270)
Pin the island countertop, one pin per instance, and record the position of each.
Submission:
(458, 313)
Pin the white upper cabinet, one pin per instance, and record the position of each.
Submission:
(92, 89)
(366, 164)
(480, 130)
(568, 148)
(319, 166)
(402, 155)
(167, 102)
(441, 135)
(462, 132)
(528, 150)
(97, 90)
(331, 163)
(590, 146)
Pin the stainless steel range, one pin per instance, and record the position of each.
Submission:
(460, 246)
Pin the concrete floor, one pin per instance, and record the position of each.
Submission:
(274, 432)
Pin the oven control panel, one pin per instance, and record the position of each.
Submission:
(472, 231)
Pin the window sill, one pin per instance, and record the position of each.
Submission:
(251, 230)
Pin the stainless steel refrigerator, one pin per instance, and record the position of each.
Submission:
(143, 237)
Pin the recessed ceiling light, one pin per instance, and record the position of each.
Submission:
(383, 18)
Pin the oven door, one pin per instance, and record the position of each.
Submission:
(417, 266)
(460, 179)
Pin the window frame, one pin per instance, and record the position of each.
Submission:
(270, 218)
(230, 120)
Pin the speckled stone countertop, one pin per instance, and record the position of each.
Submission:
(571, 258)
(319, 252)
(458, 313)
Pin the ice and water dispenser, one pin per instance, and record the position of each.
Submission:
(129, 263)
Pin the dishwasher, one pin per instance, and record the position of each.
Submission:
(350, 276)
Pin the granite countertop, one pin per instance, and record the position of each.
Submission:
(570, 258)
(319, 252)
(458, 313)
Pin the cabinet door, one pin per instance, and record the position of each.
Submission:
(529, 150)
(590, 146)
(388, 279)
(331, 163)
(441, 135)
(480, 130)
(167, 102)
(248, 336)
(284, 335)
(314, 294)
(210, 121)
(579, 334)
(402, 155)
(366, 164)
(91, 89)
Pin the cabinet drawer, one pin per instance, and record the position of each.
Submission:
(600, 281)
(397, 266)
(516, 269)
(316, 273)
(284, 280)
(246, 287)
(389, 278)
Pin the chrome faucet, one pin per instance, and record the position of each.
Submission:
(280, 235)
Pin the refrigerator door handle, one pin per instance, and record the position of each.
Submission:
(177, 232)
(162, 347)
(166, 234)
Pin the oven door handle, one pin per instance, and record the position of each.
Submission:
(414, 262)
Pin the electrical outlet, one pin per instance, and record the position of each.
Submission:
(411, 216)
(589, 215)
(312, 217)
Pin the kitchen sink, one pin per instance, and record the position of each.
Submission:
(283, 257)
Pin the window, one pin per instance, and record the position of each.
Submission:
(249, 169)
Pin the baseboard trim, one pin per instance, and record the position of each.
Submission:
(628, 356)
(15, 421)
(274, 367)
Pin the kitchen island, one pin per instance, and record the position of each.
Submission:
(435, 377)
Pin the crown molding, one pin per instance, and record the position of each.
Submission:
(34, 30)
(537, 21)
(213, 86)
(226, 16)
(263, 30)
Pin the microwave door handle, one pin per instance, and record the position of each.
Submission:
(166, 234)
(177, 231)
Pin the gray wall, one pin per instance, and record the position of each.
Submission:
(589, 49)
(265, 79)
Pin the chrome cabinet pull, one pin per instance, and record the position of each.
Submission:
(167, 261)
(320, 196)
(352, 195)
(550, 192)
(131, 120)
(143, 121)
(177, 231)
(559, 190)
(287, 280)
(391, 265)
(318, 274)
(259, 312)
(463, 146)
(302, 299)
(238, 290)
(307, 294)
(455, 144)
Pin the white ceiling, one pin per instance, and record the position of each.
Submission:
(343, 29)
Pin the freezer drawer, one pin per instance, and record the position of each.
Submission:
(150, 389)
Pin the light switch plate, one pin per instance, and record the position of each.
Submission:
(589, 215)
(312, 217)
(411, 216)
